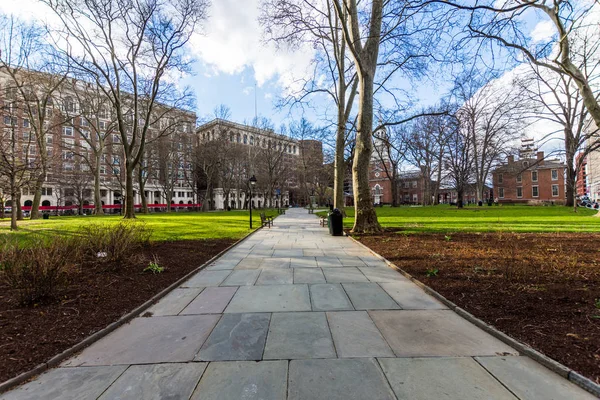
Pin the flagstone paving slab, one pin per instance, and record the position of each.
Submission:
(342, 379)
(272, 298)
(299, 335)
(329, 297)
(313, 252)
(207, 278)
(83, 383)
(411, 297)
(288, 253)
(442, 378)
(276, 277)
(275, 263)
(417, 333)
(247, 380)
(236, 337)
(382, 274)
(150, 340)
(303, 262)
(242, 278)
(329, 261)
(308, 275)
(249, 263)
(344, 275)
(156, 382)
(223, 264)
(369, 296)
(349, 261)
(529, 380)
(174, 302)
(355, 335)
(212, 300)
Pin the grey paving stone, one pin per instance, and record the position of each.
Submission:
(411, 297)
(303, 262)
(212, 300)
(355, 335)
(276, 277)
(156, 382)
(442, 378)
(150, 340)
(328, 262)
(369, 296)
(313, 252)
(242, 278)
(529, 380)
(382, 274)
(415, 333)
(84, 383)
(329, 297)
(222, 264)
(288, 253)
(236, 337)
(249, 263)
(342, 275)
(308, 275)
(174, 302)
(265, 252)
(351, 261)
(342, 379)
(247, 380)
(272, 298)
(299, 335)
(207, 278)
(275, 263)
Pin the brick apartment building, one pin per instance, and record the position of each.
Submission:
(582, 184)
(530, 180)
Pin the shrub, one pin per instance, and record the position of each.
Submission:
(37, 270)
(113, 244)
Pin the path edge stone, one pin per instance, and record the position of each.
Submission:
(57, 359)
(553, 365)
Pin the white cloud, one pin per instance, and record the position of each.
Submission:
(233, 42)
(543, 31)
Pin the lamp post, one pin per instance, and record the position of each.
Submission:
(252, 181)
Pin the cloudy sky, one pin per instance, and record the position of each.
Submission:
(234, 66)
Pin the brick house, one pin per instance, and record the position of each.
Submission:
(530, 180)
(380, 184)
(582, 184)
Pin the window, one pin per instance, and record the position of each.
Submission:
(84, 122)
(252, 140)
(534, 176)
(25, 123)
(500, 178)
(102, 125)
(116, 160)
(519, 192)
(245, 139)
(49, 140)
(501, 193)
(534, 191)
(116, 138)
(554, 190)
(8, 120)
(526, 164)
(46, 191)
(405, 184)
(103, 171)
(67, 130)
(554, 175)
(519, 178)
(85, 133)
(68, 104)
(414, 184)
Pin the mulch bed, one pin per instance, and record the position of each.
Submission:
(539, 288)
(93, 300)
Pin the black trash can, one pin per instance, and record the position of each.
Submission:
(336, 223)
(46, 216)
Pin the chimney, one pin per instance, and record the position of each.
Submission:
(540, 155)
(511, 159)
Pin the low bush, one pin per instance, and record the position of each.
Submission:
(37, 271)
(113, 244)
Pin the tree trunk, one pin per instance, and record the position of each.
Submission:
(571, 183)
(19, 209)
(394, 183)
(97, 198)
(129, 211)
(37, 196)
(13, 208)
(365, 220)
(459, 198)
(142, 186)
(340, 165)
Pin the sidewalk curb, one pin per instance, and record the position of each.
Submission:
(57, 359)
(555, 366)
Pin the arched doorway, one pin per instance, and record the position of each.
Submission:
(46, 203)
(28, 203)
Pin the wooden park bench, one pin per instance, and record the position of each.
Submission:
(311, 210)
(266, 221)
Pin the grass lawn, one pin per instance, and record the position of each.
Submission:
(164, 226)
(444, 218)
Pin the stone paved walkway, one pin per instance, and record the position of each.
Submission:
(293, 313)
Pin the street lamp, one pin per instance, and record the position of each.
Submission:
(252, 181)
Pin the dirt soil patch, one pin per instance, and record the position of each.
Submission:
(542, 289)
(93, 300)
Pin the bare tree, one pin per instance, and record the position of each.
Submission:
(222, 111)
(130, 49)
(492, 117)
(390, 152)
(500, 22)
(32, 67)
(459, 161)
